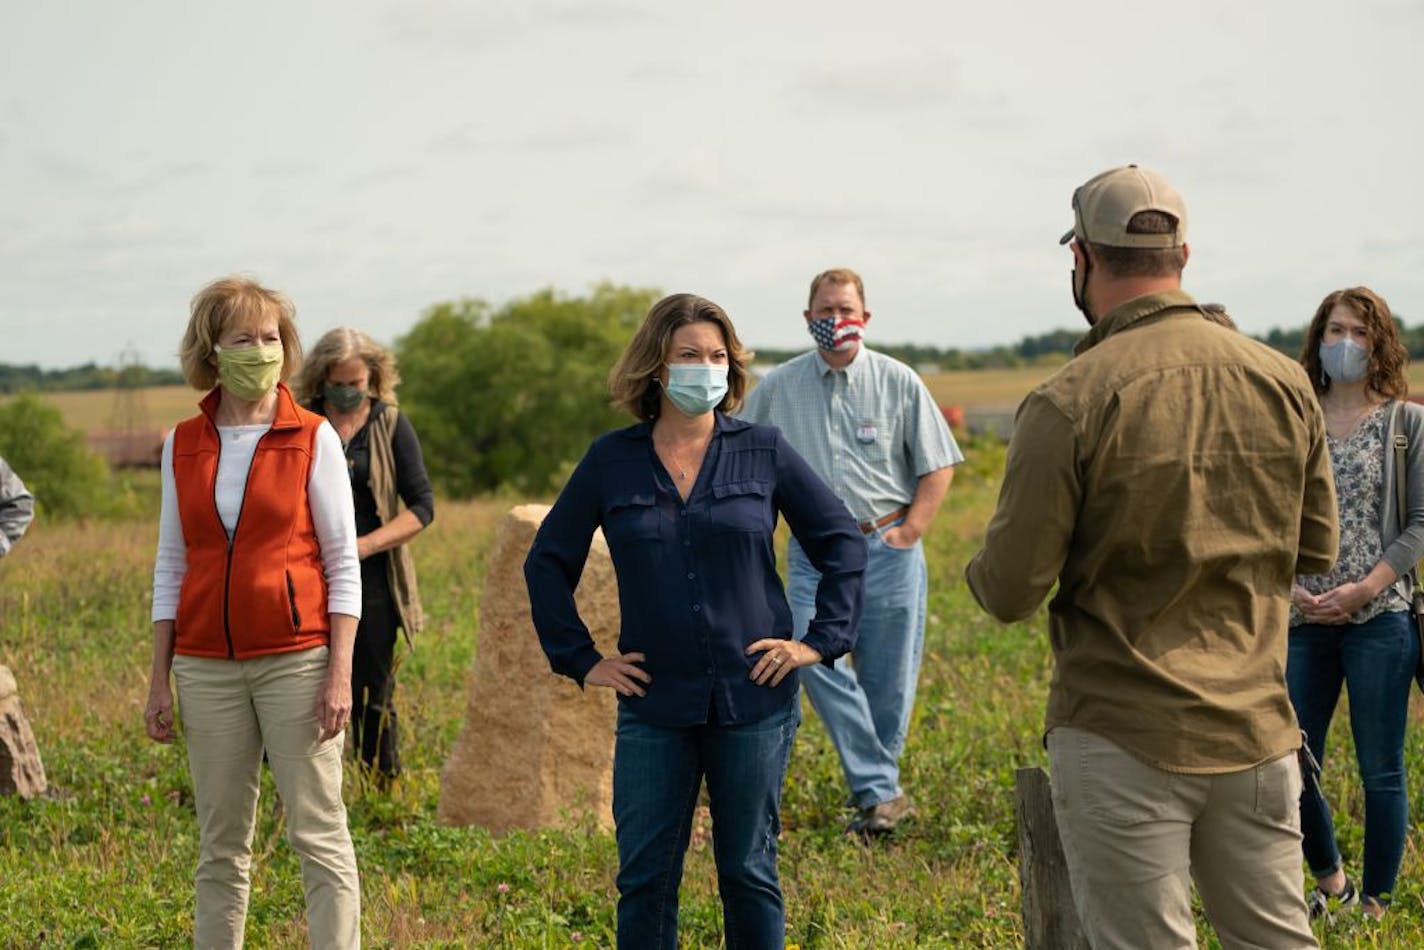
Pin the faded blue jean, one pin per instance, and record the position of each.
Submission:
(865, 700)
(1375, 661)
(657, 772)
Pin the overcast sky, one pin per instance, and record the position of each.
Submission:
(373, 158)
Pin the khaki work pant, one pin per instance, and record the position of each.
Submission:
(232, 710)
(1135, 836)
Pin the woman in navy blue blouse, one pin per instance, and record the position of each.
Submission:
(688, 500)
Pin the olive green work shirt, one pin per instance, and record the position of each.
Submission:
(1172, 478)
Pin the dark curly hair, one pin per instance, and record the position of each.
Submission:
(1388, 358)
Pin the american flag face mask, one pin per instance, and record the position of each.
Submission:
(836, 334)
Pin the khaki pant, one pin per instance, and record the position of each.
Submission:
(1132, 834)
(232, 710)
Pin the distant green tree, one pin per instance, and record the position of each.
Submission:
(67, 479)
(1411, 337)
(30, 378)
(510, 397)
(1055, 341)
(1288, 342)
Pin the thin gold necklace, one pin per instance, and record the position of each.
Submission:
(676, 463)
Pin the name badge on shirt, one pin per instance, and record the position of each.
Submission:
(866, 433)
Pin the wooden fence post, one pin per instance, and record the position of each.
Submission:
(1050, 921)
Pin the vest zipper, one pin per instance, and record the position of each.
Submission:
(242, 503)
(292, 599)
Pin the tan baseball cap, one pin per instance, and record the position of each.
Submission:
(1104, 204)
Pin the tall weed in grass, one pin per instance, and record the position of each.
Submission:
(106, 861)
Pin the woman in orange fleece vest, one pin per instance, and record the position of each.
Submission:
(256, 598)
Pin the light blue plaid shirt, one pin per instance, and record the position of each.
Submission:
(870, 431)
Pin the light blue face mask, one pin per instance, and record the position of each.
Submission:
(1344, 361)
(695, 388)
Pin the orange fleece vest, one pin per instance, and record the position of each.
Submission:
(265, 591)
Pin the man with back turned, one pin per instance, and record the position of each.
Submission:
(1171, 478)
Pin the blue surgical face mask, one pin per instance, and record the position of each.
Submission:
(696, 388)
(1344, 361)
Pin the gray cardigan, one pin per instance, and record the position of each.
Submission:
(1403, 549)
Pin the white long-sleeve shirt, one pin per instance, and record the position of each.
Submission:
(328, 494)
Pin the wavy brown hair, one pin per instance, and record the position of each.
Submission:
(1388, 357)
(338, 346)
(633, 381)
(229, 301)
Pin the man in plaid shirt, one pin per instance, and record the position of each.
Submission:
(869, 427)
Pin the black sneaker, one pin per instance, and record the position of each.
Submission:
(1318, 900)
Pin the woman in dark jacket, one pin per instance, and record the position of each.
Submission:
(352, 381)
(688, 500)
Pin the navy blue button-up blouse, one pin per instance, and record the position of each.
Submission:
(697, 581)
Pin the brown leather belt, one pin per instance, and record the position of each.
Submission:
(870, 527)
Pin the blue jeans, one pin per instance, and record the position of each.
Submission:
(1375, 660)
(657, 772)
(866, 703)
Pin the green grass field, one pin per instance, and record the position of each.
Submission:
(107, 861)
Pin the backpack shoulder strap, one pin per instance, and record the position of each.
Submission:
(1398, 417)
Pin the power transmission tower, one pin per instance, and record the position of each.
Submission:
(130, 413)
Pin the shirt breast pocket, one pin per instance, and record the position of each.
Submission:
(872, 438)
(631, 519)
(740, 506)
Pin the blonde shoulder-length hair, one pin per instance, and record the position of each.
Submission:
(633, 381)
(338, 346)
(223, 304)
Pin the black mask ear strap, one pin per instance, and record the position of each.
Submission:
(1080, 300)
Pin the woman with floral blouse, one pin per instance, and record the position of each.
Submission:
(1351, 626)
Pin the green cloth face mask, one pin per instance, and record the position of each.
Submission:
(251, 372)
(343, 398)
